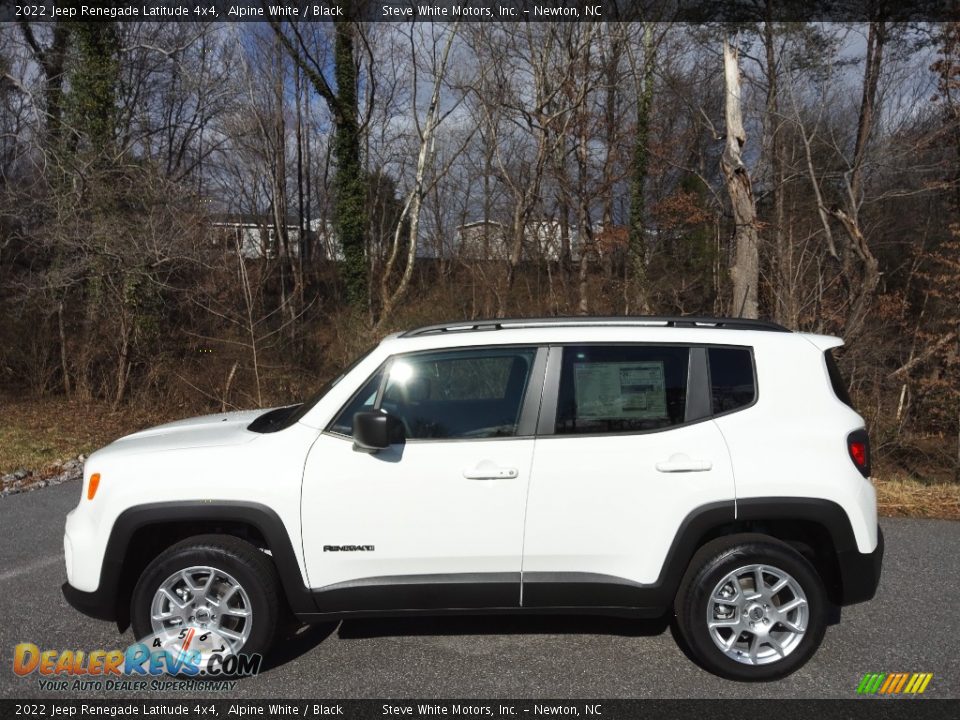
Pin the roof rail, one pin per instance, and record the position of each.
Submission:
(585, 321)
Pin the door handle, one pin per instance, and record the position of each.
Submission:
(487, 470)
(681, 463)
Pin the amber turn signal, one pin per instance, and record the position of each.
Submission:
(92, 487)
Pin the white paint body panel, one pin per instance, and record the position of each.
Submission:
(226, 462)
(793, 442)
(596, 504)
(414, 505)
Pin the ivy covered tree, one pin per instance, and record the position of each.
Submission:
(94, 71)
(349, 182)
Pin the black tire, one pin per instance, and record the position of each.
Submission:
(709, 566)
(251, 567)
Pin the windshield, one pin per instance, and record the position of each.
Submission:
(284, 417)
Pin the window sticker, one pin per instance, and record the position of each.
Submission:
(612, 390)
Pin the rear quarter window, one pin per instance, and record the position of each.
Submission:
(732, 380)
(836, 379)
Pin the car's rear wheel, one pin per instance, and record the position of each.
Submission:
(751, 608)
(222, 588)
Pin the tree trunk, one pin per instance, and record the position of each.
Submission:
(861, 281)
(64, 366)
(786, 302)
(349, 217)
(51, 61)
(745, 270)
(349, 187)
(123, 361)
(278, 143)
(415, 201)
(638, 182)
(584, 230)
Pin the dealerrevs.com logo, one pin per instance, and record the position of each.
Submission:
(894, 683)
(191, 659)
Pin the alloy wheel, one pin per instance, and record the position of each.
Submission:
(757, 614)
(205, 598)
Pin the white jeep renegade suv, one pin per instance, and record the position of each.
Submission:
(629, 466)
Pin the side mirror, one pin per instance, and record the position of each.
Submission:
(373, 431)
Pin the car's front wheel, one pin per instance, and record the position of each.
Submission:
(216, 592)
(751, 608)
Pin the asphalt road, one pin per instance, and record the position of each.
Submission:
(912, 626)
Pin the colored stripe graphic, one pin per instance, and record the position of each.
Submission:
(913, 682)
(903, 679)
(891, 680)
(894, 683)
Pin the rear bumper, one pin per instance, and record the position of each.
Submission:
(97, 604)
(860, 573)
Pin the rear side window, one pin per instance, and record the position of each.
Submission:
(621, 388)
(836, 379)
(732, 384)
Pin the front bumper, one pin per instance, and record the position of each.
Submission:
(860, 573)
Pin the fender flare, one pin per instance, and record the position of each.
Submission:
(103, 602)
(858, 572)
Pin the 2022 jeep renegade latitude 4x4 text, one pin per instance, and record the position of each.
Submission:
(713, 468)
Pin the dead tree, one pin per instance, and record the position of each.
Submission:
(745, 269)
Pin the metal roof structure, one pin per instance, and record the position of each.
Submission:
(587, 321)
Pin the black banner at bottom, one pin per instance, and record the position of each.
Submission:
(479, 709)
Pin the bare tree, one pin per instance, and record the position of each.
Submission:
(412, 208)
(340, 94)
(745, 270)
(641, 165)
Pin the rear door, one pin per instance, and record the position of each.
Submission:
(435, 521)
(625, 451)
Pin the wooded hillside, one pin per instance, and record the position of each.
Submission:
(222, 215)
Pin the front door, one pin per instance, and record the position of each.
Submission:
(437, 520)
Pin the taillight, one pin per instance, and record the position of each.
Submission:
(858, 451)
(858, 445)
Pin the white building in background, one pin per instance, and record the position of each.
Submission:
(490, 240)
(255, 236)
(326, 244)
(478, 240)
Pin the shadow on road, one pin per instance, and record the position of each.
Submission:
(296, 641)
(500, 625)
(300, 640)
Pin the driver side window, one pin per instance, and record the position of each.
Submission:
(363, 401)
(476, 393)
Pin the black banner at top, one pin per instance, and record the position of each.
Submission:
(184, 708)
(692, 11)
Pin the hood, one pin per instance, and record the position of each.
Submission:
(205, 431)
